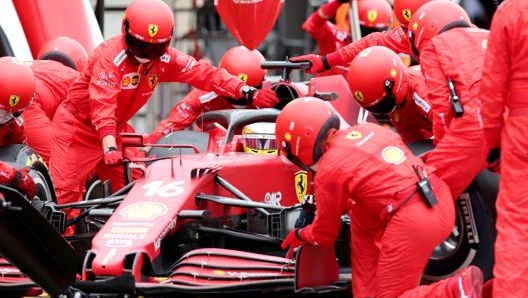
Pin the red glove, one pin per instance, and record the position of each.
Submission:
(25, 184)
(293, 241)
(113, 157)
(318, 63)
(263, 98)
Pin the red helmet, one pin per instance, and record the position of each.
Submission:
(433, 18)
(147, 28)
(18, 85)
(65, 50)
(245, 64)
(374, 16)
(405, 9)
(385, 86)
(302, 127)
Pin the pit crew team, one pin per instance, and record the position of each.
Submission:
(464, 89)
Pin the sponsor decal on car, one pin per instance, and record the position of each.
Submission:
(143, 211)
(301, 184)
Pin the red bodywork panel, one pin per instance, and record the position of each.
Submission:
(43, 20)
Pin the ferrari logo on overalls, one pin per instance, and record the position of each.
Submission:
(243, 77)
(353, 135)
(406, 14)
(301, 183)
(13, 100)
(372, 15)
(359, 96)
(152, 30)
(152, 81)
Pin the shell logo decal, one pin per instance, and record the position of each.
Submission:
(13, 100)
(301, 184)
(406, 14)
(143, 211)
(358, 95)
(152, 30)
(393, 155)
(372, 15)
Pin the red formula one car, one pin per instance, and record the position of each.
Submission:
(206, 218)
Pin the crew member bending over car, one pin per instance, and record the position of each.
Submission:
(453, 71)
(121, 76)
(238, 61)
(399, 209)
(58, 65)
(392, 89)
(17, 88)
(396, 39)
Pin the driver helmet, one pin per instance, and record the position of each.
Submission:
(147, 29)
(65, 50)
(18, 87)
(374, 16)
(385, 88)
(259, 138)
(245, 64)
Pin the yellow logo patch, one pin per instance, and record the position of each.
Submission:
(143, 211)
(406, 14)
(243, 76)
(353, 135)
(358, 95)
(485, 44)
(301, 184)
(372, 15)
(393, 155)
(153, 30)
(13, 100)
(152, 81)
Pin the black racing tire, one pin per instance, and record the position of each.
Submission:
(473, 238)
(20, 155)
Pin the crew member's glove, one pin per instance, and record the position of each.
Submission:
(113, 157)
(24, 183)
(293, 241)
(343, 1)
(493, 160)
(318, 63)
(263, 98)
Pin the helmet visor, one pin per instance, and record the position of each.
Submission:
(144, 49)
(260, 142)
(387, 104)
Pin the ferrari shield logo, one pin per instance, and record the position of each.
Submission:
(406, 14)
(301, 183)
(353, 135)
(152, 81)
(372, 15)
(358, 95)
(13, 100)
(152, 30)
(243, 76)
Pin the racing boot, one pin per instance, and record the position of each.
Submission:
(466, 284)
